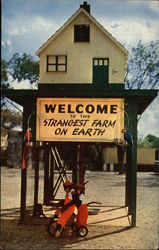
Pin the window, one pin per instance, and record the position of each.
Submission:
(81, 33)
(56, 63)
(100, 61)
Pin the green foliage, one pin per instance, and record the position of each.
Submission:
(24, 68)
(4, 68)
(4, 75)
(10, 119)
(143, 66)
(20, 68)
(150, 141)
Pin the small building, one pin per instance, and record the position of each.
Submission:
(145, 159)
(81, 99)
(82, 52)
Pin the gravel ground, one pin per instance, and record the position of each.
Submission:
(108, 188)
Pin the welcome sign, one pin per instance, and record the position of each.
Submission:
(79, 119)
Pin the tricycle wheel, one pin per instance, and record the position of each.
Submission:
(74, 227)
(51, 228)
(82, 231)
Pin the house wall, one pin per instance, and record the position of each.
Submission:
(80, 55)
(145, 156)
(110, 155)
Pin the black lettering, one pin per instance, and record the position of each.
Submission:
(53, 122)
(50, 108)
(112, 124)
(105, 123)
(81, 132)
(103, 109)
(61, 108)
(57, 131)
(75, 131)
(78, 108)
(90, 108)
(95, 131)
(97, 123)
(50, 121)
(59, 123)
(63, 131)
(45, 122)
(70, 123)
(89, 130)
(84, 122)
(113, 109)
(69, 109)
(101, 132)
(65, 122)
(60, 131)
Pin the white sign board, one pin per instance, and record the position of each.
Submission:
(79, 119)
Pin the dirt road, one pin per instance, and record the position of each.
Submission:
(108, 230)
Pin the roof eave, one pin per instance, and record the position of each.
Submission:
(70, 20)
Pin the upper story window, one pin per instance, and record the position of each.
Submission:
(56, 63)
(81, 33)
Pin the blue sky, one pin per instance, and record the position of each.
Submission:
(27, 24)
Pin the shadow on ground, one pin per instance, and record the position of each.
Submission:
(34, 234)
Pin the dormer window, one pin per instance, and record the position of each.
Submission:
(56, 63)
(81, 33)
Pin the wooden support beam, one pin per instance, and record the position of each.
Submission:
(51, 179)
(23, 195)
(36, 182)
(128, 177)
(132, 162)
(23, 174)
(46, 175)
(74, 165)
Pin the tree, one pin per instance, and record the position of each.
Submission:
(19, 68)
(143, 66)
(4, 75)
(10, 119)
(150, 141)
(24, 68)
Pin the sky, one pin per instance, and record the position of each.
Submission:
(27, 24)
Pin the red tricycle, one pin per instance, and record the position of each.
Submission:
(77, 222)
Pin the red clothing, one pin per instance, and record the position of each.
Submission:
(67, 200)
(28, 135)
(66, 215)
(27, 138)
(82, 215)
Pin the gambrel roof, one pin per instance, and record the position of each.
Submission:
(80, 10)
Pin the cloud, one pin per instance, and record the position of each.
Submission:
(26, 35)
(124, 9)
(131, 31)
(6, 43)
(148, 123)
(29, 24)
(25, 84)
(3, 43)
(154, 6)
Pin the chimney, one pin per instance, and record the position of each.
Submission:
(86, 7)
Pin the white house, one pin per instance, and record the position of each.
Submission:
(82, 51)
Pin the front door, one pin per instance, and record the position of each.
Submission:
(100, 72)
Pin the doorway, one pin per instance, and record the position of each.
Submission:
(100, 71)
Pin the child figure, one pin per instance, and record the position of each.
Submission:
(82, 214)
(68, 210)
(67, 185)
